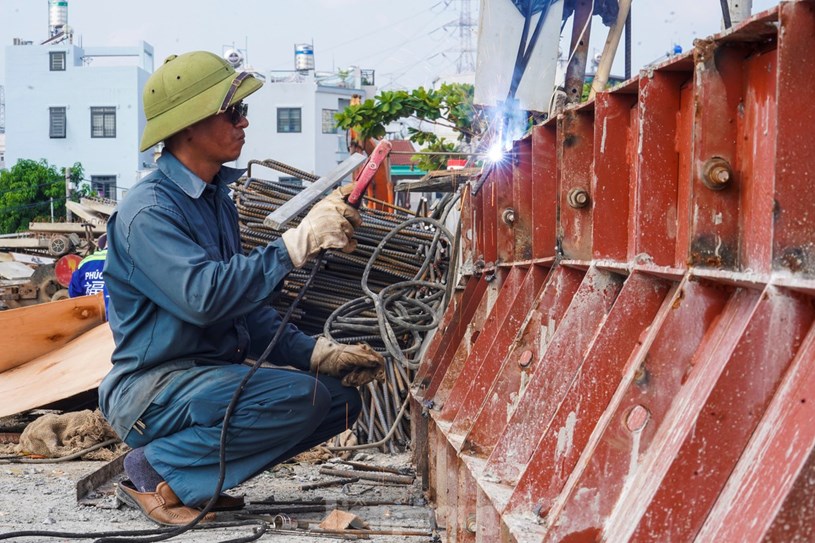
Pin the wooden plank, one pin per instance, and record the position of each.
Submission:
(15, 271)
(88, 215)
(24, 243)
(65, 227)
(29, 332)
(100, 206)
(76, 367)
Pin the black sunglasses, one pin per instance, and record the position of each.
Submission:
(236, 112)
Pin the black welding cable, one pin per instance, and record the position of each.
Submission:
(263, 527)
(78, 454)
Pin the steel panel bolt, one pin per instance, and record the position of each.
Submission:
(472, 525)
(578, 198)
(526, 359)
(717, 173)
(508, 216)
(637, 418)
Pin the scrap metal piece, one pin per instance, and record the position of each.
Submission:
(370, 475)
(282, 215)
(99, 484)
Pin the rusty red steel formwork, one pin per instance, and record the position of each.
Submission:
(630, 355)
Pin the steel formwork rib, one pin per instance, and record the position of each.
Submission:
(632, 354)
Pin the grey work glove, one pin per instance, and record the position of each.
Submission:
(329, 225)
(354, 365)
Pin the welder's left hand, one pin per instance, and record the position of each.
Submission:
(355, 365)
(363, 376)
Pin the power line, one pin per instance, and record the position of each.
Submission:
(383, 28)
(32, 187)
(29, 206)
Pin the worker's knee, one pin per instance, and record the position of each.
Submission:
(354, 402)
(311, 396)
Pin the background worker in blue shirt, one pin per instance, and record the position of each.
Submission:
(187, 307)
(87, 278)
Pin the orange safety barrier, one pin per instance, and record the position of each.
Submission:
(631, 356)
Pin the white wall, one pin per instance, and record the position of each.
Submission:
(31, 89)
(309, 150)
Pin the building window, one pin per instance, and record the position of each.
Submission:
(56, 61)
(288, 119)
(103, 122)
(56, 127)
(329, 122)
(104, 186)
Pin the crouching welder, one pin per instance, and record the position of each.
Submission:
(187, 307)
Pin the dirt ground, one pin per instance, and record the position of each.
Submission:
(43, 497)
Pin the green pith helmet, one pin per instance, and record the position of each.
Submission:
(188, 88)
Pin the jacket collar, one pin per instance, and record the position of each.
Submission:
(191, 184)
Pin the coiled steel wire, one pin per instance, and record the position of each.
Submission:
(388, 293)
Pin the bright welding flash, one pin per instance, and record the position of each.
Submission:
(496, 153)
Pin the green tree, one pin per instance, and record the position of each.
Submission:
(450, 106)
(27, 190)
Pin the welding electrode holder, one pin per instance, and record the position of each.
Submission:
(369, 169)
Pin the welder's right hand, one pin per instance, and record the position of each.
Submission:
(329, 225)
(354, 365)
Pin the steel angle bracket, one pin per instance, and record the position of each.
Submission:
(283, 214)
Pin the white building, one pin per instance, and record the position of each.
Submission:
(68, 104)
(291, 119)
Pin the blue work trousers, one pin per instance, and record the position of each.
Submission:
(279, 414)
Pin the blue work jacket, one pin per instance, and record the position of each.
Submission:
(87, 277)
(182, 293)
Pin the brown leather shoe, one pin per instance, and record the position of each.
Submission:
(161, 506)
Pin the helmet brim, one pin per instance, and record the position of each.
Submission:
(197, 108)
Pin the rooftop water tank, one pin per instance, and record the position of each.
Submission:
(57, 16)
(303, 57)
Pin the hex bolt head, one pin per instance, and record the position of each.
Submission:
(472, 525)
(717, 173)
(578, 198)
(508, 216)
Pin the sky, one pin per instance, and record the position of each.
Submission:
(409, 43)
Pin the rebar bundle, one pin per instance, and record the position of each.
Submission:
(388, 293)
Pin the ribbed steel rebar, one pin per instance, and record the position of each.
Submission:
(387, 293)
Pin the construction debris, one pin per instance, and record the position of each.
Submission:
(54, 436)
(370, 476)
(342, 520)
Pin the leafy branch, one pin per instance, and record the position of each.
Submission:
(450, 106)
